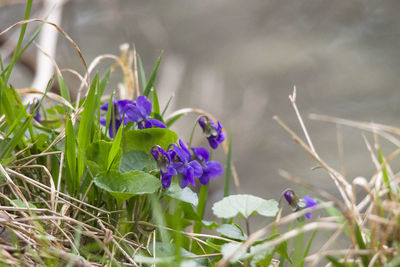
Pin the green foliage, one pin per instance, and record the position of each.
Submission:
(99, 197)
(137, 160)
(144, 140)
(123, 186)
(245, 205)
(185, 195)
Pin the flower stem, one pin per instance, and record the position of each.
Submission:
(201, 207)
(193, 129)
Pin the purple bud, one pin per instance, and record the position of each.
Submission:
(155, 153)
(288, 196)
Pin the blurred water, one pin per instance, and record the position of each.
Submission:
(240, 60)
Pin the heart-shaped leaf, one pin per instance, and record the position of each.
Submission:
(232, 231)
(98, 152)
(185, 194)
(144, 140)
(245, 205)
(137, 160)
(122, 186)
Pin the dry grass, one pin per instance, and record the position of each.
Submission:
(376, 215)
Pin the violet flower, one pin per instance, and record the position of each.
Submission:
(120, 108)
(164, 163)
(187, 167)
(31, 109)
(213, 132)
(211, 169)
(309, 202)
(140, 113)
(298, 204)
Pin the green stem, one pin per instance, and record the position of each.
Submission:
(21, 37)
(228, 170)
(193, 129)
(201, 207)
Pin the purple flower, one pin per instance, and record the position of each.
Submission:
(309, 202)
(164, 163)
(31, 109)
(120, 108)
(187, 167)
(140, 113)
(291, 198)
(213, 132)
(298, 204)
(211, 169)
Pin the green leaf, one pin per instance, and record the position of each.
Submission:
(98, 153)
(123, 186)
(167, 105)
(63, 88)
(360, 241)
(232, 231)
(116, 147)
(142, 73)
(137, 160)
(209, 224)
(70, 154)
(144, 140)
(156, 103)
(153, 76)
(172, 120)
(230, 248)
(110, 116)
(21, 204)
(185, 194)
(245, 205)
(188, 211)
(86, 123)
(335, 262)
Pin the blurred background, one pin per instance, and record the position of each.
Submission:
(239, 60)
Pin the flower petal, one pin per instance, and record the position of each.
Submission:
(214, 169)
(185, 149)
(123, 105)
(204, 179)
(182, 181)
(133, 113)
(197, 169)
(144, 104)
(202, 123)
(201, 153)
(103, 121)
(111, 127)
(156, 123)
(183, 156)
(213, 143)
(309, 201)
(188, 174)
(166, 181)
(104, 107)
(147, 124)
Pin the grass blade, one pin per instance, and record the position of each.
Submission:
(19, 42)
(153, 76)
(115, 146)
(70, 154)
(63, 89)
(361, 245)
(86, 123)
(142, 73)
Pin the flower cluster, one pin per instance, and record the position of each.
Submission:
(299, 204)
(187, 165)
(130, 111)
(213, 131)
